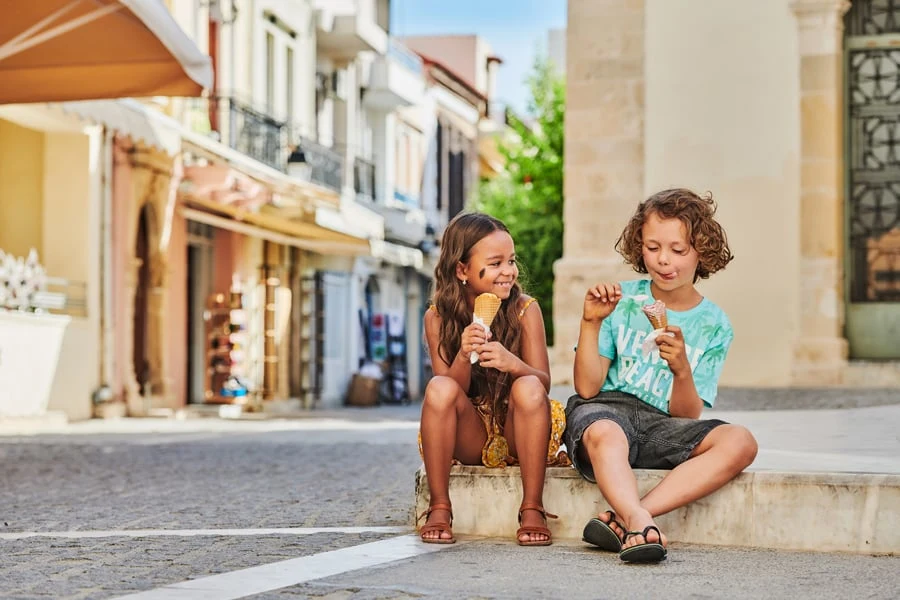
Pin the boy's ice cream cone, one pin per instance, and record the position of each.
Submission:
(486, 307)
(656, 312)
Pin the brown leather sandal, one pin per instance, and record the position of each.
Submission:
(440, 526)
(541, 530)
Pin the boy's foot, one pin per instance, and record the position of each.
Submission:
(609, 517)
(643, 541)
(605, 532)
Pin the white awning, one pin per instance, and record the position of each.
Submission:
(131, 119)
(326, 247)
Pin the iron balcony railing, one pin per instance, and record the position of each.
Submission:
(250, 131)
(322, 165)
(274, 142)
(364, 179)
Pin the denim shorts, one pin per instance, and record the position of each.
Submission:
(655, 440)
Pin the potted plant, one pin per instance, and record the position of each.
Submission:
(30, 338)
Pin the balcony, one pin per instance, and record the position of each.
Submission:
(404, 221)
(396, 80)
(271, 141)
(348, 27)
(364, 180)
(316, 163)
(243, 128)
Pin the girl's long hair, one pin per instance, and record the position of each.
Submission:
(489, 388)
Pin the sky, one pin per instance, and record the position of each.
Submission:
(515, 29)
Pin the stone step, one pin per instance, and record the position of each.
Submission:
(832, 512)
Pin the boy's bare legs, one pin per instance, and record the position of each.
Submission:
(527, 432)
(606, 446)
(451, 427)
(720, 457)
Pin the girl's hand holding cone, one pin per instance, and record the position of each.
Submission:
(473, 337)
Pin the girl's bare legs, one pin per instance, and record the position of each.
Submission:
(527, 431)
(451, 427)
(720, 457)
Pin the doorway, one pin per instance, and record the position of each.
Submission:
(872, 68)
(140, 356)
(199, 288)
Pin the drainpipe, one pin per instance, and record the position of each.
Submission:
(213, 19)
(104, 157)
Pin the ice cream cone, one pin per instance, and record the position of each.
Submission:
(486, 307)
(656, 312)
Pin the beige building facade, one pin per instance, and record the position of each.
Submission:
(786, 117)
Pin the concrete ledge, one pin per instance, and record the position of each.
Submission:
(50, 421)
(833, 512)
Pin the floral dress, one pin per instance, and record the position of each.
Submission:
(495, 452)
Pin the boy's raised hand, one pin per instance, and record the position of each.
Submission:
(600, 300)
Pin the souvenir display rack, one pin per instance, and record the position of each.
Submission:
(225, 350)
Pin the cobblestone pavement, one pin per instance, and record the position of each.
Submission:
(235, 475)
(231, 481)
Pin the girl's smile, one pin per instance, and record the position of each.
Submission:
(491, 267)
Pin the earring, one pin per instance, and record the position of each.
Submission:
(465, 282)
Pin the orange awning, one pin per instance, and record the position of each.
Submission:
(59, 50)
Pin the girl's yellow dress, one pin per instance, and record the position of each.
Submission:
(495, 452)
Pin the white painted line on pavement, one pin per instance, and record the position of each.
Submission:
(199, 532)
(294, 571)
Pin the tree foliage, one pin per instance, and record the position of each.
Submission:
(528, 195)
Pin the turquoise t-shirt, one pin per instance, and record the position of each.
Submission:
(707, 337)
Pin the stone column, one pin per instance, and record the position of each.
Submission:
(604, 156)
(820, 352)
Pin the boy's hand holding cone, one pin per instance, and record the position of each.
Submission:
(656, 314)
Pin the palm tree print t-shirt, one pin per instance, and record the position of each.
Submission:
(707, 337)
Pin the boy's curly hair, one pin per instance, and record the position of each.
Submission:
(696, 212)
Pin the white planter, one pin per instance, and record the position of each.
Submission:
(29, 351)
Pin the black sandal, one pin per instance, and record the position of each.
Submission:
(600, 534)
(648, 552)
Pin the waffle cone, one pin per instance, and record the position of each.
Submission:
(656, 313)
(486, 307)
(658, 322)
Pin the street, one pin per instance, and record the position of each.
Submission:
(161, 503)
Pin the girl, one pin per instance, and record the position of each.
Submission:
(496, 410)
(639, 409)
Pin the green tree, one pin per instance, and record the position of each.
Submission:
(528, 194)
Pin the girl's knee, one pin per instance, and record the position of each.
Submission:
(603, 433)
(441, 393)
(528, 393)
